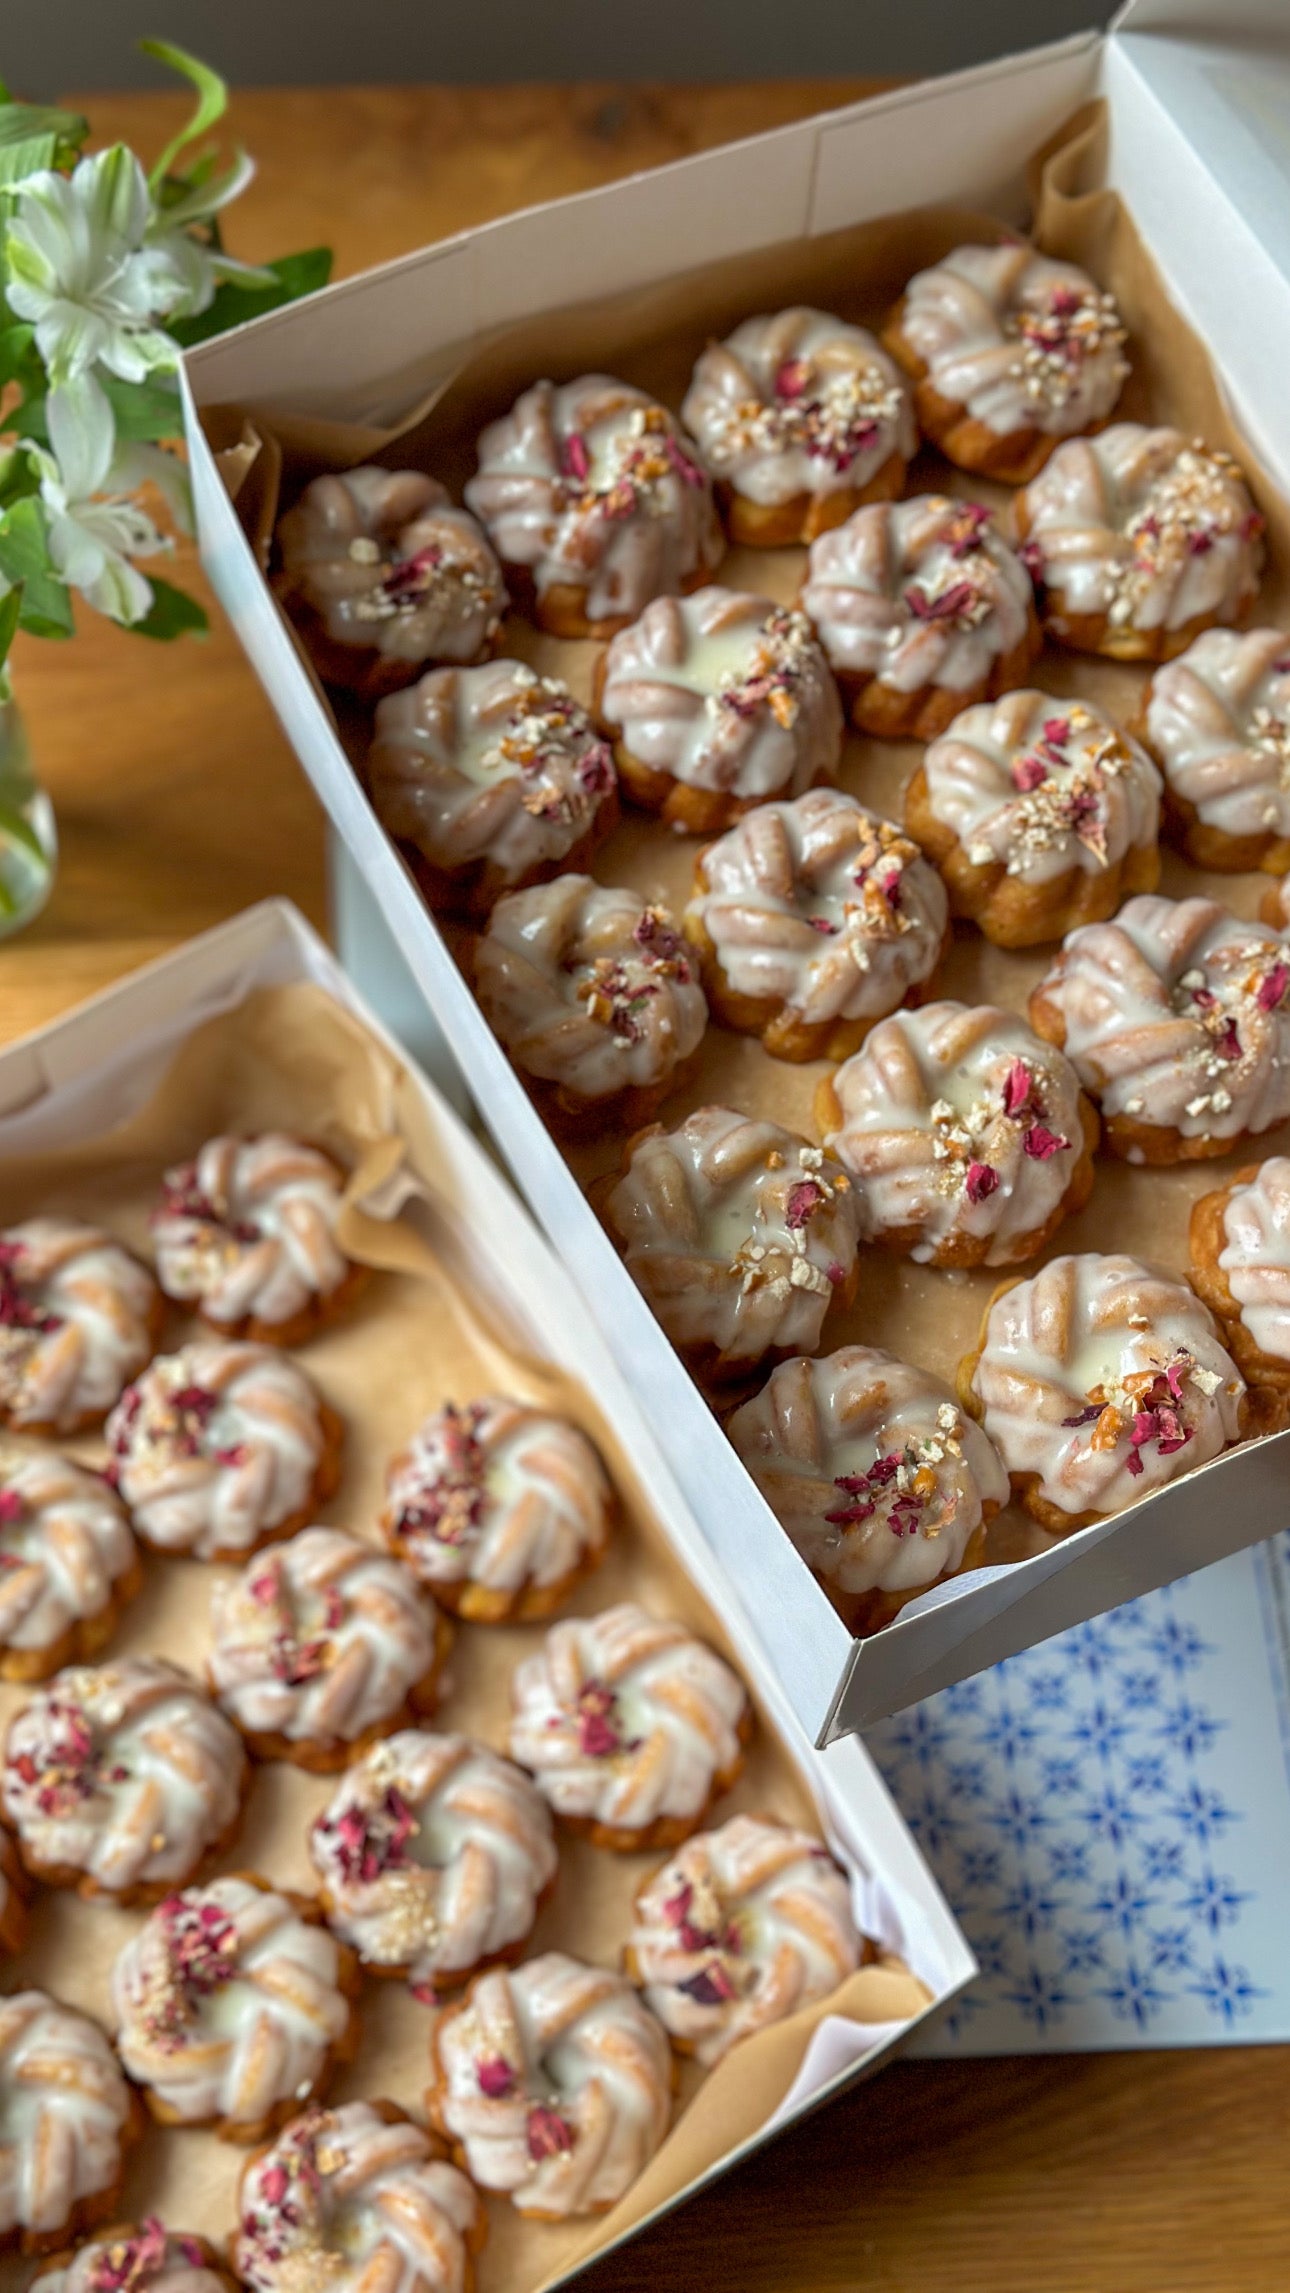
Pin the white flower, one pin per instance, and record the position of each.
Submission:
(86, 484)
(84, 271)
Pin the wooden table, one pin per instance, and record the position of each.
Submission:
(179, 802)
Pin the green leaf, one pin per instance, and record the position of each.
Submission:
(211, 105)
(10, 608)
(26, 158)
(46, 608)
(25, 123)
(15, 830)
(236, 301)
(173, 613)
(18, 479)
(143, 410)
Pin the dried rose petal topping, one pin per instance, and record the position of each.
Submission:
(1028, 773)
(982, 1180)
(549, 2135)
(792, 377)
(575, 461)
(1017, 1087)
(1271, 990)
(495, 2077)
(802, 1199)
(1041, 1144)
(711, 1986)
(12, 1507)
(599, 1733)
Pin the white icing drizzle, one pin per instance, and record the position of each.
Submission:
(64, 2112)
(1105, 1381)
(1017, 340)
(737, 1231)
(64, 1546)
(1042, 786)
(493, 764)
(589, 987)
(387, 561)
(625, 1719)
(498, 1494)
(227, 2003)
(917, 593)
(149, 2259)
(797, 402)
(741, 1927)
(1256, 1255)
(249, 1228)
(125, 1772)
(556, 2083)
(957, 1121)
(76, 1316)
(319, 1639)
(214, 1446)
(1218, 718)
(434, 1853)
(1144, 526)
(724, 691)
(1178, 1015)
(871, 1468)
(594, 485)
(822, 906)
(349, 2200)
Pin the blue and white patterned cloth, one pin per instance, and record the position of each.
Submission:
(1109, 1815)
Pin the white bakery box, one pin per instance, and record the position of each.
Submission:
(91, 1071)
(1199, 149)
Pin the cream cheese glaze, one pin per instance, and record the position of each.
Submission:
(64, 1548)
(589, 987)
(319, 1640)
(797, 402)
(351, 2199)
(1144, 526)
(871, 1467)
(1177, 1015)
(65, 2112)
(555, 2080)
(1018, 340)
(959, 1122)
(592, 484)
(741, 1927)
(494, 763)
(738, 1232)
(387, 561)
(76, 1321)
(496, 1493)
(1104, 1381)
(434, 1854)
(1256, 1255)
(123, 1772)
(1042, 786)
(625, 1719)
(821, 905)
(724, 691)
(1218, 719)
(227, 2003)
(919, 592)
(217, 1445)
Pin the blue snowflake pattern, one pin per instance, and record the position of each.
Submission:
(1040, 1998)
(1227, 1991)
(1215, 1902)
(1189, 1729)
(1171, 1951)
(1135, 1996)
(1083, 1808)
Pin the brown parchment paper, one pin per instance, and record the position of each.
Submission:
(431, 1325)
(652, 337)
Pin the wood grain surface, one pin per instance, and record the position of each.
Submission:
(178, 802)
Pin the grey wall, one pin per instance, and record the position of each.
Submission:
(50, 45)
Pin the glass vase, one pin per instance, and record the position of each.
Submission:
(28, 839)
